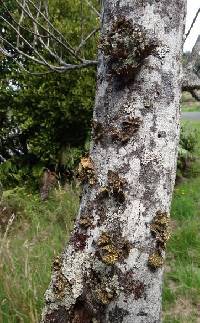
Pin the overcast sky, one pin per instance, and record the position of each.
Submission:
(192, 7)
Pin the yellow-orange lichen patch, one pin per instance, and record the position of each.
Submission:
(105, 295)
(110, 254)
(86, 171)
(160, 228)
(155, 260)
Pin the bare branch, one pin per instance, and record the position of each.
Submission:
(68, 47)
(191, 81)
(93, 8)
(42, 59)
(192, 24)
(33, 73)
(83, 42)
(35, 28)
(20, 22)
(195, 95)
(47, 15)
(17, 23)
(59, 69)
(44, 33)
(5, 52)
(16, 49)
(52, 26)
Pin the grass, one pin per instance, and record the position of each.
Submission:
(35, 237)
(40, 228)
(181, 294)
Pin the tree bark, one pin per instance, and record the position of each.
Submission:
(111, 270)
(191, 80)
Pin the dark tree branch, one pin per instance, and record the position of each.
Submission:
(192, 24)
(5, 52)
(19, 24)
(195, 95)
(93, 8)
(191, 82)
(83, 42)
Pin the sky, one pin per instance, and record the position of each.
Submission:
(192, 7)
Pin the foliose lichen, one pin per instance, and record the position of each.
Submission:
(110, 254)
(85, 221)
(103, 240)
(126, 45)
(110, 250)
(107, 289)
(120, 134)
(155, 260)
(98, 131)
(57, 315)
(116, 186)
(79, 240)
(57, 263)
(131, 285)
(86, 171)
(104, 295)
(60, 284)
(117, 314)
(126, 131)
(160, 228)
(59, 281)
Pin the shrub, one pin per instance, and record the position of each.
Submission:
(186, 152)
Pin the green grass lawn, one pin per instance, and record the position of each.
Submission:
(40, 228)
(181, 296)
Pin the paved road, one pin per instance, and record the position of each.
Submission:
(191, 115)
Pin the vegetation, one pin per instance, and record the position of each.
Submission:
(44, 119)
(187, 151)
(182, 273)
(34, 238)
(39, 230)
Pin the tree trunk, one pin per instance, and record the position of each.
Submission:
(191, 78)
(112, 269)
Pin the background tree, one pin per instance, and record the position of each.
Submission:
(44, 116)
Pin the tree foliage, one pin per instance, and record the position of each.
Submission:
(46, 119)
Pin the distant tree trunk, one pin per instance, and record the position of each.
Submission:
(112, 269)
(191, 72)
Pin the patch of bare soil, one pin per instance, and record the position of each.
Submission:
(184, 311)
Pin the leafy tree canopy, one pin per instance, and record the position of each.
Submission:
(43, 117)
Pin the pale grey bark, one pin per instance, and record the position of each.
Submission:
(112, 269)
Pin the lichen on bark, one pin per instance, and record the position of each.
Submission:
(126, 45)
